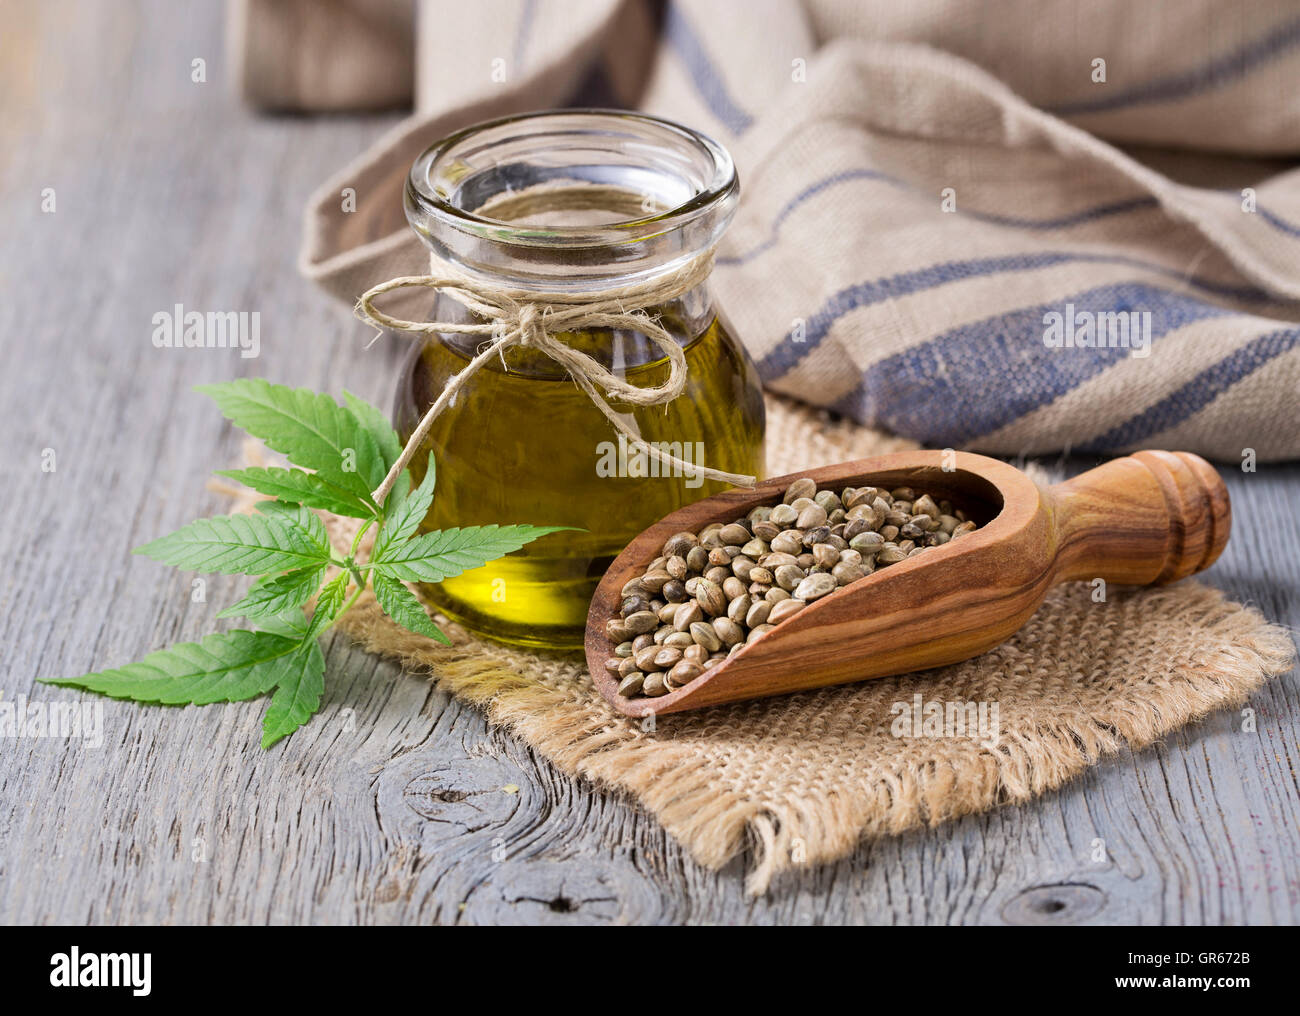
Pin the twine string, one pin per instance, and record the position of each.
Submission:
(527, 318)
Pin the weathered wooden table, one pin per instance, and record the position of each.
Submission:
(389, 807)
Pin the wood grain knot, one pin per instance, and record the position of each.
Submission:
(532, 891)
(465, 794)
(1063, 903)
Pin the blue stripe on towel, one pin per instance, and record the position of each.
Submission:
(1065, 221)
(523, 33)
(788, 353)
(1200, 79)
(596, 89)
(1198, 393)
(1271, 218)
(1277, 222)
(708, 82)
(809, 192)
(980, 377)
(1015, 222)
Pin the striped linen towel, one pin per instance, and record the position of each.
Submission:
(1014, 226)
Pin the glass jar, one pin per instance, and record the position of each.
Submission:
(522, 442)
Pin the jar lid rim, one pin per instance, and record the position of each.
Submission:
(423, 197)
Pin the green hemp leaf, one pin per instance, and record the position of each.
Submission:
(339, 455)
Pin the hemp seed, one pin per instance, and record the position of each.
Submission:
(711, 593)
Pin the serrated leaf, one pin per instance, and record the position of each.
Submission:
(373, 419)
(390, 445)
(435, 556)
(300, 517)
(297, 515)
(241, 544)
(291, 624)
(401, 605)
(401, 486)
(229, 667)
(313, 430)
(406, 514)
(298, 487)
(328, 604)
(276, 594)
(297, 696)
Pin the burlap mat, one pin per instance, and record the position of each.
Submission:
(802, 779)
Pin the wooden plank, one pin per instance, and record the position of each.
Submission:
(390, 806)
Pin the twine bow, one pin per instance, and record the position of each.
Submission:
(518, 317)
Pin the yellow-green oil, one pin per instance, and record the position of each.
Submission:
(523, 444)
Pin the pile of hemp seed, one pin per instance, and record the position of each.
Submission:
(711, 593)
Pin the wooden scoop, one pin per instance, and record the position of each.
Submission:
(1149, 518)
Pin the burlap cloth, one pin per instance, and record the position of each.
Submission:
(801, 779)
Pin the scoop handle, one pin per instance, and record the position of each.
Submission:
(1147, 518)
